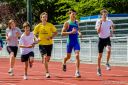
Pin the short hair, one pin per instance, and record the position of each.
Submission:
(26, 24)
(71, 10)
(44, 13)
(10, 22)
(103, 11)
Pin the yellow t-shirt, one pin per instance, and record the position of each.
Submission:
(44, 31)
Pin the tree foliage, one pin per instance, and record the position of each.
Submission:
(57, 9)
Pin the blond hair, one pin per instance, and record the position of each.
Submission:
(44, 13)
(103, 11)
(10, 22)
(26, 24)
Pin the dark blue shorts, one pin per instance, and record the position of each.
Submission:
(75, 46)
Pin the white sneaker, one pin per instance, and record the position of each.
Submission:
(11, 72)
(47, 75)
(108, 67)
(25, 77)
(99, 72)
(77, 75)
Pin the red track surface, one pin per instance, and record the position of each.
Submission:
(117, 76)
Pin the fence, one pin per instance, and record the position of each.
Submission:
(88, 51)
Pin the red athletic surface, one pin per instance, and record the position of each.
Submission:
(36, 74)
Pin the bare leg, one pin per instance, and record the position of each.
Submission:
(67, 58)
(99, 60)
(12, 60)
(108, 53)
(46, 60)
(26, 68)
(77, 60)
(25, 71)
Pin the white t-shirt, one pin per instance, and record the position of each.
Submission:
(105, 28)
(26, 40)
(13, 39)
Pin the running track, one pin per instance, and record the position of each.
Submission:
(117, 76)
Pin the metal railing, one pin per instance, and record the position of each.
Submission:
(89, 50)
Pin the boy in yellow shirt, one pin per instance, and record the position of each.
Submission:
(45, 32)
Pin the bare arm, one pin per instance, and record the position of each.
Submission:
(112, 27)
(99, 27)
(80, 34)
(65, 28)
(54, 34)
(23, 46)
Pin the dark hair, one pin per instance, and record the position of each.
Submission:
(71, 10)
(26, 24)
(103, 11)
(44, 13)
(10, 22)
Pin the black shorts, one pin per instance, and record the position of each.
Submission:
(103, 42)
(26, 57)
(45, 49)
(13, 49)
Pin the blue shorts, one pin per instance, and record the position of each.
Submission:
(75, 46)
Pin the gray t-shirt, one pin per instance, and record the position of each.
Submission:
(13, 39)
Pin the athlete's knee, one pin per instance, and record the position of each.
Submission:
(99, 55)
(47, 58)
(108, 48)
(68, 57)
(77, 53)
(12, 54)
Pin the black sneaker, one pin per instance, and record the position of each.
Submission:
(64, 67)
(30, 65)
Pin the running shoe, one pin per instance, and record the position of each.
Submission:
(108, 67)
(99, 72)
(77, 75)
(11, 72)
(64, 67)
(25, 77)
(47, 75)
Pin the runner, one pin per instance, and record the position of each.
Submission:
(103, 27)
(71, 28)
(26, 45)
(12, 34)
(46, 32)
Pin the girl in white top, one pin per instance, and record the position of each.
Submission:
(12, 34)
(103, 27)
(26, 44)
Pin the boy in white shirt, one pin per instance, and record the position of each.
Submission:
(26, 45)
(103, 27)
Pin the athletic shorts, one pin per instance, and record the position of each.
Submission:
(75, 46)
(45, 49)
(26, 57)
(103, 43)
(13, 49)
